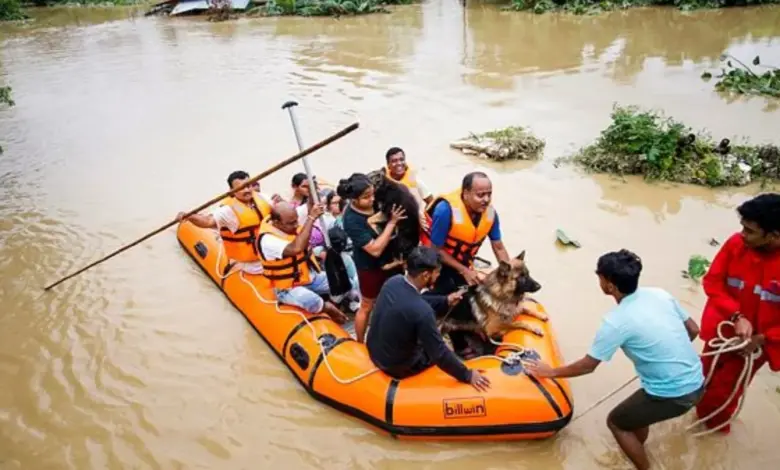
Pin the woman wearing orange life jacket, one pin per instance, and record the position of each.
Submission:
(238, 220)
(742, 286)
(460, 222)
(287, 262)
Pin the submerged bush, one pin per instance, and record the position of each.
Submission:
(5, 96)
(588, 7)
(743, 80)
(659, 148)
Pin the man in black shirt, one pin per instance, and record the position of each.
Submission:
(403, 339)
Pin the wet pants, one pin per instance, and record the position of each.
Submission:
(721, 385)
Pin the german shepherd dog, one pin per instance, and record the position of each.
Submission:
(496, 302)
(388, 193)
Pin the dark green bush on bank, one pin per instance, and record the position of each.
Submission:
(11, 10)
(646, 143)
(589, 7)
(326, 7)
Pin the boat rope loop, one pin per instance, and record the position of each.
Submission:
(276, 305)
(317, 339)
(718, 346)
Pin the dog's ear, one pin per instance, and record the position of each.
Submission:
(521, 256)
(504, 269)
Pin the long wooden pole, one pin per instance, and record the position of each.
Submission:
(216, 199)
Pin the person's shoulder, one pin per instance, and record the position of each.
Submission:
(734, 242)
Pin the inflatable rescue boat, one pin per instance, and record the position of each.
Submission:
(336, 370)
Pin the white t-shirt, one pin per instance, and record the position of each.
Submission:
(273, 246)
(422, 189)
(226, 218)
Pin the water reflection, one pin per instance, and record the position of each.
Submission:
(350, 47)
(521, 43)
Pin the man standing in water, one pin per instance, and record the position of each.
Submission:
(461, 221)
(743, 287)
(656, 334)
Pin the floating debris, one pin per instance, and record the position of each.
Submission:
(742, 79)
(512, 143)
(713, 242)
(565, 240)
(640, 142)
(697, 267)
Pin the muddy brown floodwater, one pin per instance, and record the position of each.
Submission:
(121, 121)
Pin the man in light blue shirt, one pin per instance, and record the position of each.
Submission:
(653, 330)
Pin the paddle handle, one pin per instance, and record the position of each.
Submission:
(277, 167)
(290, 107)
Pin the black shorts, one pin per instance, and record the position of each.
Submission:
(642, 409)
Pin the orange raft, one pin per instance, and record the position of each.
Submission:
(336, 370)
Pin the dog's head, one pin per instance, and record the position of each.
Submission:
(512, 279)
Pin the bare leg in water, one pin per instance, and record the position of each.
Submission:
(361, 319)
(632, 443)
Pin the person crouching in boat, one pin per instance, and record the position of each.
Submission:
(403, 339)
(656, 334)
(461, 221)
(287, 262)
(743, 287)
(238, 220)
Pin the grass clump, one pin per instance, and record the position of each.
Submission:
(511, 143)
(591, 7)
(641, 142)
(325, 7)
(5, 96)
(743, 80)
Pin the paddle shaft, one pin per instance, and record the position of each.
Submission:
(277, 167)
(312, 185)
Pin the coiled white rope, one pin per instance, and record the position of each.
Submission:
(721, 345)
(290, 311)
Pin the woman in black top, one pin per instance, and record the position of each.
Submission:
(369, 245)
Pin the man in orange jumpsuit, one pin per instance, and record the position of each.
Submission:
(742, 287)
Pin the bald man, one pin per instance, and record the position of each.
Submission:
(288, 263)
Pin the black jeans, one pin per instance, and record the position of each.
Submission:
(448, 282)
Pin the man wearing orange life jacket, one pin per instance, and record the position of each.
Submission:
(460, 222)
(288, 263)
(399, 171)
(743, 286)
(238, 220)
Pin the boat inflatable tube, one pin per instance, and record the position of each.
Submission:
(336, 370)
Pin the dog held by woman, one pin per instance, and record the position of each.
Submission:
(496, 302)
(388, 194)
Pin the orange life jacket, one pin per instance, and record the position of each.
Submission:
(464, 239)
(409, 180)
(289, 272)
(240, 246)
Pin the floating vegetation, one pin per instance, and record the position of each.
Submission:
(565, 240)
(511, 143)
(593, 7)
(697, 267)
(646, 143)
(5, 96)
(742, 79)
